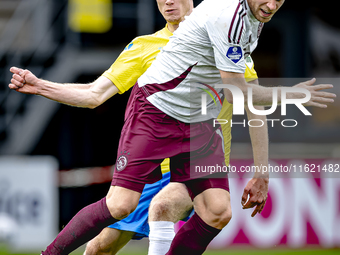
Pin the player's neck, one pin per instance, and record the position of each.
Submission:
(172, 27)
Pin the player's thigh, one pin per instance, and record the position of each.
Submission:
(213, 206)
(172, 203)
(108, 242)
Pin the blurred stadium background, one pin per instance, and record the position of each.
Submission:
(67, 153)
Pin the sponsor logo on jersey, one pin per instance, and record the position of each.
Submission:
(121, 163)
(129, 46)
(234, 54)
(249, 62)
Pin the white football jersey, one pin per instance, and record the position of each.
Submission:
(218, 35)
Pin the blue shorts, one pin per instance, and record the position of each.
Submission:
(138, 220)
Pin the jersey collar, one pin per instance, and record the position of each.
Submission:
(249, 13)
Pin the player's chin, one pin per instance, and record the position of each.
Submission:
(264, 19)
(174, 19)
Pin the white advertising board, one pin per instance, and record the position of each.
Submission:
(29, 197)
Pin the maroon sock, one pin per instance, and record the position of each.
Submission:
(84, 226)
(193, 237)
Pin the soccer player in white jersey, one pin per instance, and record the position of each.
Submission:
(212, 43)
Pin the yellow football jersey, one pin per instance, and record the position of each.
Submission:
(227, 110)
(137, 58)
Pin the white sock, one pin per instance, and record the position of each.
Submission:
(160, 237)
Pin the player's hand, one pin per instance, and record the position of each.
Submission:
(318, 98)
(255, 194)
(23, 81)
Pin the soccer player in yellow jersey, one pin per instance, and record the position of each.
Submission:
(119, 78)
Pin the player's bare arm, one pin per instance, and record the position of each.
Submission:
(263, 95)
(256, 192)
(81, 95)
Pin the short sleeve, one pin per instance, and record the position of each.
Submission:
(225, 31)
(250, 73)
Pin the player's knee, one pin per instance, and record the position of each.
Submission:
(226, 217)
(172, 203)
(220, 214)
(121, 203)
(92, 248)
(159, 210)
(123, 210)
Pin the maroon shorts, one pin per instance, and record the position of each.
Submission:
(149, 136)
(199, 185)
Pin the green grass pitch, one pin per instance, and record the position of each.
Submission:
(278, 251)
